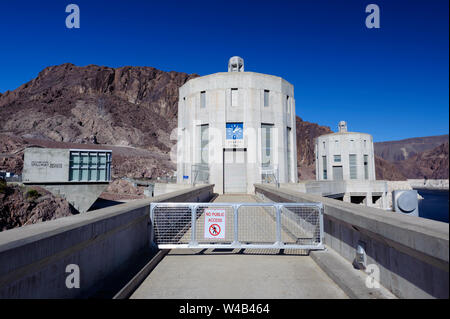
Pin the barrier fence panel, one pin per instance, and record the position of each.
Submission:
(237, 225)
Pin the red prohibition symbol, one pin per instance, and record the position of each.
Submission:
(214, 229)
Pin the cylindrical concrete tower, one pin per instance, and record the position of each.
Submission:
(345, 156)
(235, 129)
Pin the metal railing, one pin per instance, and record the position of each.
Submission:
(271, 176)
(237, 225)
(200, 174)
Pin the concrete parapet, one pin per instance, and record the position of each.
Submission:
(412, 253)
(33, 259)
(345, 190)
(441, 184)
(164, 188)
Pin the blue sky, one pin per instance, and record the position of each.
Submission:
(390, 82)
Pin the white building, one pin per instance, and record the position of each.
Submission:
(78, 175)
(235, 129)
(345, 156)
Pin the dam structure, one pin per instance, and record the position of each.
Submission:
(237, 224)
(235, 129)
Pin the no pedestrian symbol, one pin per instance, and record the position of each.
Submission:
(214, 223)
(214, 230)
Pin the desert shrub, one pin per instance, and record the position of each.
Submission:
(32, 194)
(2, 185)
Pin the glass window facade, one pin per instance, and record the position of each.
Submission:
(324, 162)
(87, 166)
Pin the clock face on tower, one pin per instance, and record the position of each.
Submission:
(235, 131)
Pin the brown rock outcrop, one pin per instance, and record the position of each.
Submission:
(20, 206)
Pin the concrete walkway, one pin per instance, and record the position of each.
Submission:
(190, 274)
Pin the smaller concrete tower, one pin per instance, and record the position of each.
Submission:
(236, 64)
(345, 156)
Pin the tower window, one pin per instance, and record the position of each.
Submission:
(288, 110)
(366, 166)
(266, 98)
(352, 162)
(289, 168)
(266, 145)
(234, 97)
(202, 99)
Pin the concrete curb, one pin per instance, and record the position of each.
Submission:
(350, 280)
(134, 283)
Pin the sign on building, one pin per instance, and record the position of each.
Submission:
(234, 135)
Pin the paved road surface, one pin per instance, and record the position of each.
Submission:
(238, 274)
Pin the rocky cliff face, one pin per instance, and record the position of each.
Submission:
(421, 157)
(20, 206)
(396, 151)
(431, 164)
(306, 134)
(132, 110)
(128, 106)
(385, 170)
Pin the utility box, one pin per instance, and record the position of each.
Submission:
(405, 202)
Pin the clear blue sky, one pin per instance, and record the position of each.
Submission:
(390, 82)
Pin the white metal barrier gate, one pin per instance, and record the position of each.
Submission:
(237, 225)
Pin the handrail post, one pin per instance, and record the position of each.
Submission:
(152, 222)
(193, 225)
(321, 226)
(236, 225)
(278, 225)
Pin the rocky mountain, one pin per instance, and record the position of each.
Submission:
(127, 106)
(430, 164)
(395, 151)
(132, 111)
(420, 157)
(385, 170)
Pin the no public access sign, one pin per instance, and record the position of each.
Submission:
(214, 223)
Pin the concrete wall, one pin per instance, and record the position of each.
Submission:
(164, 188)
(412, 253)
(429, 183)
(80, 195)
(346, 189)
(33, 258)
(45, 165)
(250, 110)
